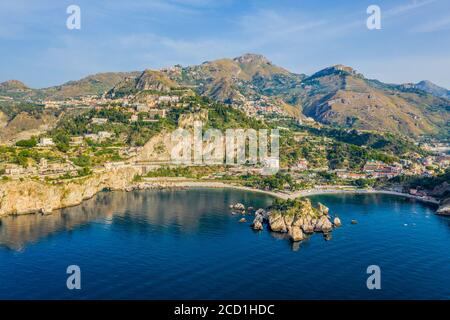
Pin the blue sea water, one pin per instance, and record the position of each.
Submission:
(186, 244)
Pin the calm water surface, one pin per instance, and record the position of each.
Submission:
(187, 245)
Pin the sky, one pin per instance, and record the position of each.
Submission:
(302, 36)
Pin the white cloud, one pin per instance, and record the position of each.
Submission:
(411, 5)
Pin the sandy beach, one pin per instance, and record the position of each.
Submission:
(189, 183)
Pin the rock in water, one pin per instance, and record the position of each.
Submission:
(257, 225)
(354, 222)
(276, 222)
(327, 225)
(297, 218)
(238, 208)
(337, 222)
(298, 222)
(288, 220)
(318, 225)
(243, 220)
(323, 225)
(296, 234)
(308, 227)
(444, 208)
(263, 214)
(46, 210)
(323, 209)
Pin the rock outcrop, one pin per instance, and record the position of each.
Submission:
(444, 207)
(337, 222)
(296, 234)
(297, 219)
(277, 223)
(257, 225)
(323, 209)
(238, 208)
(30, 196)
(260, 217)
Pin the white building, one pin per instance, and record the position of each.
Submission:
(170, 99)
(91, 136)
(13, 169)
(99, 120)
(142, 107)
(45, 142)
(104, 134)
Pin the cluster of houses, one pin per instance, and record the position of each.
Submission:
(44, 168)
(300, 165)
(378, 169)
(442, 161)
(260, 106)
(85, 101)
(47, 142)
(154, 107)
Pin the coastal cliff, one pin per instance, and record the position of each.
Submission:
(31, 196)
(444, 208)
(36, 196)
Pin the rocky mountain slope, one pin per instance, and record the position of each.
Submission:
(96, 84)
(337, 95)
(148, 80)
(340, 96)
(429, 87)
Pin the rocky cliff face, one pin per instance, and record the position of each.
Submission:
(22, 197)
(444, 208)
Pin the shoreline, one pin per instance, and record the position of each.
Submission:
(72, 194)
(282, 195)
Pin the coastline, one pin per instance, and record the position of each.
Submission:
(29, 197)
(178, 183)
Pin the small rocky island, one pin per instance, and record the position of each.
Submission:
(297, 218)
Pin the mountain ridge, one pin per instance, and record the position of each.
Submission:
(337, 95)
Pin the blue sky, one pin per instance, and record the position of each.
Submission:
(303, 36)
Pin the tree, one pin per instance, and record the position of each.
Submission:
(30, 143)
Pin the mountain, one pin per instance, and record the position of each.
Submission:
(96, 84)
(431, 88)
(147, 80)
(340, 96)
(337, 95)
(12, 85)
(246, 78)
